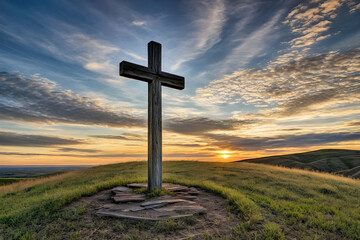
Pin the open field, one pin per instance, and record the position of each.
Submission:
(271, 202)
(340, 161)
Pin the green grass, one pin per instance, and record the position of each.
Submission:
(272, 231)
(6, 181)
(272, 202)
(325, 160)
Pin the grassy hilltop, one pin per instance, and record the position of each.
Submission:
(340, 161)
(271, 202)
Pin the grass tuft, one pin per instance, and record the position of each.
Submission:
(167, 226)
(272, 231)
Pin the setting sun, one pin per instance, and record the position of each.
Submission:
(225, 154)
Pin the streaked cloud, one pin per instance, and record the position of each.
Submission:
(354, 7)
(196, 125)
(138, 23)
(39, 101)
(28, 140)
(292, 87)
(191, 155)
(208, 19)
(184, 145)
(353, 123)
(96, 55)
(92, 53)
(253, 44)
(67, 149)
(171, 155)
(124, 136)
(244, 143)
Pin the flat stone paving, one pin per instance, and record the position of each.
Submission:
(127, 204)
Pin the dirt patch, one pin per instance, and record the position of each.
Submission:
(217, 221)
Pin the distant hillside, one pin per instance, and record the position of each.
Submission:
(344, 162)
(34, 171)
(353, 172)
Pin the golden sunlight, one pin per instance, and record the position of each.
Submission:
(224, 154)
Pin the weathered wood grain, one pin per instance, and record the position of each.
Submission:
(145, 74)
(154, 136)
(155, 79)
(154, 57)
(172, 80)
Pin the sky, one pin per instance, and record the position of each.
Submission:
(261, 78)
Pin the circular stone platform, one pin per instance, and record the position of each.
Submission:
(128, 204)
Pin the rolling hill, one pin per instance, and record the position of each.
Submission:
(339, 161)
(270, 202)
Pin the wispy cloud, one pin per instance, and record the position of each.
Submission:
(196, 125)
(27, 140)
(125, 155)
(353, 123)
(184, 145)
(95, 55)
(293, 87)
(223, 141)
(30, 100)
(124, 136)
(310, 23)
(354, 7)
(208, 20)
(135, 56)
(67, 149)
(253, 44)
(138, 23)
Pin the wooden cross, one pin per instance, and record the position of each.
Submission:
(155, 79)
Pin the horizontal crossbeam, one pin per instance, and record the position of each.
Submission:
(146, 74)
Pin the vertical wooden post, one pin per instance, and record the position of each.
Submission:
(154, 119)
(155, 79)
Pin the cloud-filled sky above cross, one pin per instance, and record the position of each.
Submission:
(263, 78)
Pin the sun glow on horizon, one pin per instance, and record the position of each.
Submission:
(225, 154)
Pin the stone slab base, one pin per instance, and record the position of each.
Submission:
(127, 204)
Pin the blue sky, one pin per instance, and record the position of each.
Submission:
(262, 78)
